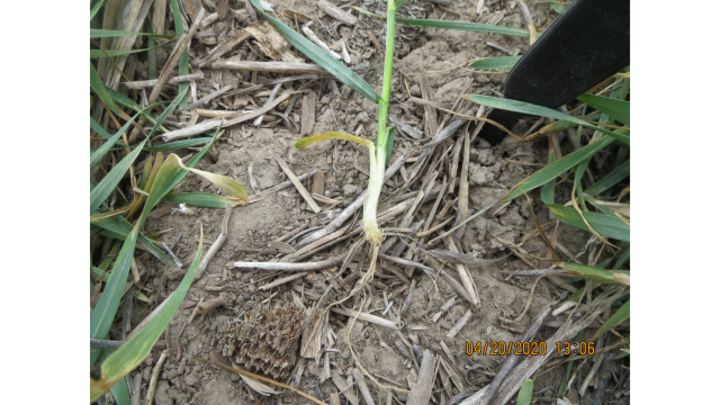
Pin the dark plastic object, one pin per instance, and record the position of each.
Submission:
(586, 44)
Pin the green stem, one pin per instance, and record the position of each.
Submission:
(377, 165)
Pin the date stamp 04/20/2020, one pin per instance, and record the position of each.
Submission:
(528, 348)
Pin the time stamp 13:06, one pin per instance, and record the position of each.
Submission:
(528, 348)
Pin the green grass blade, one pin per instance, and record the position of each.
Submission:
(96, 8)
(555, 169)
(199, 200)
(390, 144)
(180, 97)
(399, 3)
(611, 179)
(465, 26)
(525, 395)
(606, 225)
(593, 273)
(500, 62)
(341, 136)
(524, 108)
(620, 316)
(532, 109)
(111, 180)
(136, 349)
(547, 193)
(122, 100)
(616, 109)
(99, 53)
(184, 61)
(99, 88)
(120, 391)
(99, 129)
(102, 33)
(96, 156)
(624, 256)
(103, 315)
(322, 58)
(177, 145)
(182, 173)
(119, 228)
(558, 126)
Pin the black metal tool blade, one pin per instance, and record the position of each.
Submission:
(586, 44)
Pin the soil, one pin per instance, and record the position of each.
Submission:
(492, 172)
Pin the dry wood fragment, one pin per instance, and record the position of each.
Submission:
(307, 120)
(159, 14)
(424, 102)
(209, 97)
(310, 34)
(362, 316)
(295, 16)
(211, 124)
(282, 266)
(337, 13)
(303, 191)
(282, 281)
(421, 392)
(357, 375)
(216, 245)
(274, 67)
(137, 85)
(464, 273)
(448, 278)
(430, 116)
(271, 43)
(222, 49)
(222, 8)
(350, 209)
(464, 186)
(211, 18)
(459, 325)
(344, 388)
(281, 186)
(222, 300)
(154, 378)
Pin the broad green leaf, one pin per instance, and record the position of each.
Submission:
(611, 179)
(615, 109)
(343, 136)
(184, 61)
(102, 33)
(135, 350)
(555, 169)
(111, 180)
(200, 200)
(390, 144)
(499, 62)
(525, 395)
(606, 225)
(597, 274)
(322, 58)
(100, 152)
(99, 88)
(465, 26)
(99, 53)
(620, 316)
